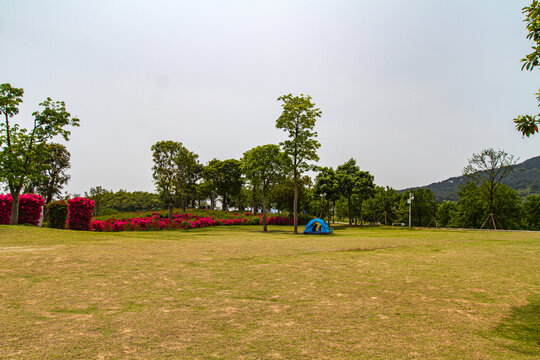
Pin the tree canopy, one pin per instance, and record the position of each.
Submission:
(528, 124)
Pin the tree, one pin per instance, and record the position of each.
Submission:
(528, 124)
(381, 204)
(489, 167)
(327, 186)
(97, 194)
(280, 195)
(298, 120)
(188, 171)
(165, 171)
(363, 189)
(531, 212)
(265, 165)
(21, 149)
(54, 176)
(347, 175)
(226, 179)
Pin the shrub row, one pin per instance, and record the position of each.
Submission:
(30, 209)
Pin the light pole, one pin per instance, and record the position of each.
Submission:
(409, 201)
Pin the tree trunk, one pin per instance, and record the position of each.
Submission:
(295, 204)
(225, 205)
(213, 200)
(328, 210)
(361, 216)
(170, 207)
(15, 194)
(349, 206)
(265, 228)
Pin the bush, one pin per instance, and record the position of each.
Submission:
(80, 213)
(58, 214)
(30, 209)
(5, 209)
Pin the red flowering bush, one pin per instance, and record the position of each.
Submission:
(5, 209)
(58, 214)
(30, 209)
(80, 213)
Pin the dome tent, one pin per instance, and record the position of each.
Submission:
(317, 226)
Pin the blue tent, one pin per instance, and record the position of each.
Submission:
(317, 226)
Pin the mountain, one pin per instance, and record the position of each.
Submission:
(525, 179)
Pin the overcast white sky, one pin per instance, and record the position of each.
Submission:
(410, 89)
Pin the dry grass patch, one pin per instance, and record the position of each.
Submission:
(236, 293)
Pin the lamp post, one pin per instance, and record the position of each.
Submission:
(409, 201)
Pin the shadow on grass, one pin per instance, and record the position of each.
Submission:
(522, 328)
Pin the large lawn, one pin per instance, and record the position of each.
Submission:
(238, 293)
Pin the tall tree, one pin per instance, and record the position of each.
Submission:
(489, 167)
(528, 124)
(298, 120)
(327, 186)
(188, 171)
(21, 149)
(264, 166)
(348, 174)
(165, 170)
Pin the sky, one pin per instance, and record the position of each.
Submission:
(410, 89)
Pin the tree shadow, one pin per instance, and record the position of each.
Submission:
(522, 328)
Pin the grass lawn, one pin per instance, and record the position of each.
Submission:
(238, 293)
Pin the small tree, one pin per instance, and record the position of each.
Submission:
(489, 167)
(265, 165)
(298, 120)
(528, 124)
(21, 149)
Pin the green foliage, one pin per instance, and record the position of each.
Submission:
(531, 212)
(175, 171)
(298, 120)
(109, 202)
(22, 150)
(58, 214)
(225, 178)
(356, 186)
(327, 187)
(528, 124)
(446, 213)
(489, 168)
(54, 175)
(380, 207)
(264, 166)
(280, 196)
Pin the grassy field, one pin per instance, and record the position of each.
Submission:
(238, 293)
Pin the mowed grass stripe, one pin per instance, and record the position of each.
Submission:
(234, 292)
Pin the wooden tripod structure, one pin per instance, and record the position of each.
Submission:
(492, 217)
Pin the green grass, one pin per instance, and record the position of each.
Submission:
(238, 293)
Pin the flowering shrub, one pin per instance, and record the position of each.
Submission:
(80, 213)
(30, 209)
(5, 209)
(58, 214)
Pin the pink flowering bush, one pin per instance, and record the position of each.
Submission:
(80, 213)
(30, 209)
(5, 209)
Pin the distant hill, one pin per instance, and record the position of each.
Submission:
(525, 179)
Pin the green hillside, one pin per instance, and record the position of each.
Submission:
(525, 179)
